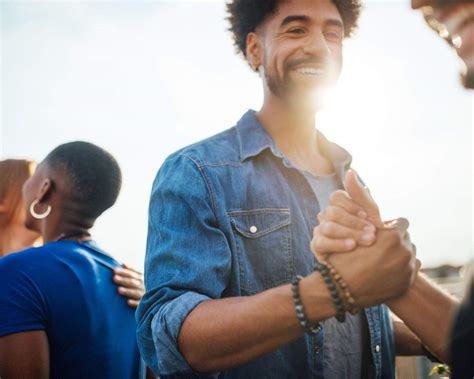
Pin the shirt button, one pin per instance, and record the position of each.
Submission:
(253, 229)
(377, 348)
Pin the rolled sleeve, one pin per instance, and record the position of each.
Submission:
(187, 261)
(165, 329)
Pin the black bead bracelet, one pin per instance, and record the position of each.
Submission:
(305, 324)
(336, 298)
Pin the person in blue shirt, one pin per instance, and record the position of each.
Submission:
(61, 315)
(231, 221)
(15, 236)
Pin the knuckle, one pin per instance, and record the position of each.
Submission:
(355, 223)
(319, 244)
(330, 212)
(328, 228)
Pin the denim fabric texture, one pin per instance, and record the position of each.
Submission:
(231, 216)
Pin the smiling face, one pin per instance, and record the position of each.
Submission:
(299, 48)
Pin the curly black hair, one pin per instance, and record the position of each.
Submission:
(245, 16)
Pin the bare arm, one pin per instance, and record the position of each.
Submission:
(225, 333)
(406, 342)
(24, 355)
(428, 311)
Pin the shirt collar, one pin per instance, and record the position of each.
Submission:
(253, 139)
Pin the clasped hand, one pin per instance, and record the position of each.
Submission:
(377, 259)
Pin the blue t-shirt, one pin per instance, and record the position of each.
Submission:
(65, 288)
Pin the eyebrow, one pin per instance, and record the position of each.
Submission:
(334, 22)
(289, 19)
(303, 18)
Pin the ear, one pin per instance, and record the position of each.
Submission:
(45, 190)
(254, 50)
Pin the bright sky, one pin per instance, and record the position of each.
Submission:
(143, 79)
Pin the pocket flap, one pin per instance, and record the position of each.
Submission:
(258, 222)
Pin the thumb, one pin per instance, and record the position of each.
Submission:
(361, 196)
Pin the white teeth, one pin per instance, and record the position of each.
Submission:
(310, 71)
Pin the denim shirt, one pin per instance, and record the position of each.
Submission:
(231, 216)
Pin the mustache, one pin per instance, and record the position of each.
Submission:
(306, 60)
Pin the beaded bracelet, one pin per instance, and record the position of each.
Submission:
(352, 307)
(336, 298)
(306, 325)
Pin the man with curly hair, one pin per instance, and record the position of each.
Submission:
(231, 290)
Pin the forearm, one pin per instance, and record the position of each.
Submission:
(221, 334)
(428, 311)
(406, 342)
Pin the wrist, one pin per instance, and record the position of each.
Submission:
(411, 294)
(309, 327)
(316, 298)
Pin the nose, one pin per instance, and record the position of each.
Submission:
(316, 45)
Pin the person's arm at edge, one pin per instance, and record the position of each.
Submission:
(428, 311)
(425, 308)
(24, 355)
(406, 342)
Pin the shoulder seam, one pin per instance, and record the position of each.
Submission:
(200, 167)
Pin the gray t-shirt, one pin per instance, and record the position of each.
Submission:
(343, 344)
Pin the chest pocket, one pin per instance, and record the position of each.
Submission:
(263, 243)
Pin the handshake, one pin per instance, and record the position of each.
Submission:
(376, 259)
(378, 263)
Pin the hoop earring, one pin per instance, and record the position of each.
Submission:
(39, 216)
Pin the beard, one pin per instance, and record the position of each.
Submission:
(285, 87)
(280, 87)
